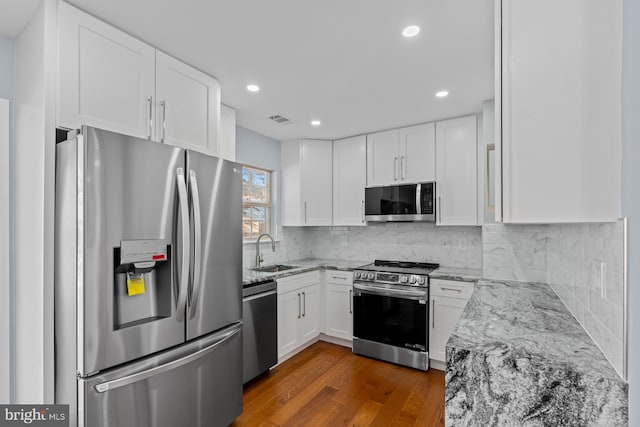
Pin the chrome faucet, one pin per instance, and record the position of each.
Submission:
(259, 258)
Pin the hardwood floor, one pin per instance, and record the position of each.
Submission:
(327, 385)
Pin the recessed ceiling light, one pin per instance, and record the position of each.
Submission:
(410, 31)
(442, 94)
(316, 122)
(253, 88)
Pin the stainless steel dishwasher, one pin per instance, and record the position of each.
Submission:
(260, 329)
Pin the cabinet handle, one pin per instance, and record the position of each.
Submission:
(339, 277)
(299, 309)
(433, 313)
(304, 304)
(402, 167)
(305, 212)
(439, 211)
(150, 101)
(395, 168)
(350, 301)
(362, 211)
(451, 289)
(163, 105)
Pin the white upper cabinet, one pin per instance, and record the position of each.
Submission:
(401, 155)
(349, 180)
(106, 77)
(417, 150)
(559, 89)
(188, 105)
(382, 158)
(306, 182)
(113, 81)
(456, 171)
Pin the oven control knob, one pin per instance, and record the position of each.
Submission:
(371, 276)
(356, 274)
(412, 279)
(403, 279)
(420, 280)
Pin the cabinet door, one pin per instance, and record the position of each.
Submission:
(417, 153)
(289, 313)
(445, 313)
(106, 77)
(188, 106)
(316, 172)
(456, 171)
(382, 158)
(339, 311)
(309, 324)
(349, 180)
(560, 154)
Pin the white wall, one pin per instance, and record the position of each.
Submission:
(631, 191)
(34, 168)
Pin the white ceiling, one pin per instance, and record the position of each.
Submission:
(342, 62)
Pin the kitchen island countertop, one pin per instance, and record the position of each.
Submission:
(518, 357)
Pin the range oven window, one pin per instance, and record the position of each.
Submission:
(390, 320)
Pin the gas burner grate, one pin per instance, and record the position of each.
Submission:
(405, 264)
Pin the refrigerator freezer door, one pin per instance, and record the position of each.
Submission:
(197, 385)
(215, 298)
(128, 192)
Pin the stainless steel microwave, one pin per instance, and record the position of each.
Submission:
(406, 202)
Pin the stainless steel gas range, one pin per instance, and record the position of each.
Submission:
(391, 311)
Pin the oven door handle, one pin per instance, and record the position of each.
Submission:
(399, 293)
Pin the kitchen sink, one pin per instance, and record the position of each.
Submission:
(274, 268)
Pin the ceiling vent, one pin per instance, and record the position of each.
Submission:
(279, 118)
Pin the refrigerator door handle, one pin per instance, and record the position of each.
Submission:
(197, 235)
(184, 269)
(130, 379)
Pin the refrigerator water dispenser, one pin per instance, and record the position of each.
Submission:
(142, 282)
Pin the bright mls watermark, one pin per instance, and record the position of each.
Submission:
(35, 415)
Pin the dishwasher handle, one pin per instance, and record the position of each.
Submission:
(260, 295)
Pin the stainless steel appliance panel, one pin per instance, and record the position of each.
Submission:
(194, 385)
(260, 331)
(128, 192)
(215, 190)
(401, 356)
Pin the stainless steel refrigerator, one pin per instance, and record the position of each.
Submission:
(147, 283)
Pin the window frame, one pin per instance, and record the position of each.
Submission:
(268, 206)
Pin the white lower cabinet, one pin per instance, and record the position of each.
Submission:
(299, 302)
(448, 299)
(338, 299)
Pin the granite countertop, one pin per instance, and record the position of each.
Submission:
(517, 355)
(457, 273)
(302, 266)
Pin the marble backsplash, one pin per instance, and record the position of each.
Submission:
(447, 246)
(414, 241)
(575, 254)
(515, 252)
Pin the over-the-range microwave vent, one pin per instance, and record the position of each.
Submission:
(279, 118)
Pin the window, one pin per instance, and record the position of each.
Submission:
(256, 202)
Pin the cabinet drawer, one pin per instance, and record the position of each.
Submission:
(297, 281)
(451, 288)
(336, 277)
